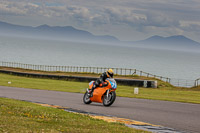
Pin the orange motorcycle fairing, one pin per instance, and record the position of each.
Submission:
(98, 93)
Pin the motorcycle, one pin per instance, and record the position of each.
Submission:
(105, 93)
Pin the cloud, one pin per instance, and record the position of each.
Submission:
(7, 8)
(152, 13)
(124, 16)
(190, 26)
(139, 16)
(160, 20)
(79, 13)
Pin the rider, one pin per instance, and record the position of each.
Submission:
(108, 74)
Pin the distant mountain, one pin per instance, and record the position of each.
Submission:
(178, 39)
(177, 42)
(54, 32)
(70, 33)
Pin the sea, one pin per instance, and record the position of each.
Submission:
(167, 63)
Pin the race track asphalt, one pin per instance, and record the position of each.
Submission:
(180, 116)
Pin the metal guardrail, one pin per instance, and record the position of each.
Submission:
(118, 71)
(97, 70)
(182, 82)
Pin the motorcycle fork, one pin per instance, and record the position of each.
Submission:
(107, 93)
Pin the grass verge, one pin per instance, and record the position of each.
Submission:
(20, 116)
(84, 74)
(187, 95)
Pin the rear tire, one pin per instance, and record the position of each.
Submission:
(109, 101)
(86, 98)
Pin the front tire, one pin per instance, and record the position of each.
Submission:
(86, 98)
(107, 101)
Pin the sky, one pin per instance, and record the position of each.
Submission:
(128, 20)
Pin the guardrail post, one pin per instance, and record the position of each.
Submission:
(178, 82)
(134, 72)
(186, 83)
(196, 83)
(93, 69)
(85, 69)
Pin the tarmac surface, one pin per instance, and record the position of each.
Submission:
(183, 117)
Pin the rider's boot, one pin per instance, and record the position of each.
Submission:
(91, 92)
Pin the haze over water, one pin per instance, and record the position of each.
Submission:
(172, 64)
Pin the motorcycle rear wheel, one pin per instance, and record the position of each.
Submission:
(86, 98)
(110, 100)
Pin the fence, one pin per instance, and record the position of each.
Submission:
(97, 70)
(183, 82)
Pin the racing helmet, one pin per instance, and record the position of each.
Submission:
(110, 73)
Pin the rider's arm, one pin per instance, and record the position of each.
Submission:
(104, 84)
(103, 77)
(101, 80)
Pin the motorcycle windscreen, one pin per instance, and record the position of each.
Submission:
(91, 84)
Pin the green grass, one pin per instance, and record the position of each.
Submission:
(167, 92)
(20, 116)
(45, 84)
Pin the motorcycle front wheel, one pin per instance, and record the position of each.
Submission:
(86, 98)
(107, 101)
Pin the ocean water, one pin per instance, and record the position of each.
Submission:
(172, 64)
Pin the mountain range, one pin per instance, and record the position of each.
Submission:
(70, 33)
(53, 32)
(177, 42)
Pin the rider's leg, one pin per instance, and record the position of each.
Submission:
(93, 87)
(96, 83)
